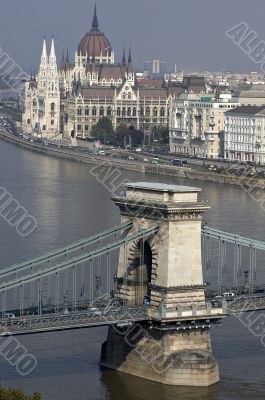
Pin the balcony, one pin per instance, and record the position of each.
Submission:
(178, 134)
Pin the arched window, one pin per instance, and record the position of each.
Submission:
(129, 96)
(147, 111)
(118, 112)
(87, 112)
(94, 111)
(155, 112)
(34, 103)
(52, 107)
(79, 111)
(123, 111)
(79, 128)
(52, 122)
(86, 128)
(28, 121)
(109, 111)
(101, 111)
(44, 127)
(162, 112)
(129, 111)
(134, 112)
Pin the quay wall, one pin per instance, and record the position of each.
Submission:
(227, 179)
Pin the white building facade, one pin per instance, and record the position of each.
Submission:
(42, 97)
(245, 134)
(70, 100)
(197, 124)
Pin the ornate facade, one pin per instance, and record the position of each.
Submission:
(71, 99)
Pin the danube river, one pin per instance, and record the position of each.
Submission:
(68, 204)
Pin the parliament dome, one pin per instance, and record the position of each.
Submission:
(94, 43)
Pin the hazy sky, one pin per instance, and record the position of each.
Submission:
(188, 32)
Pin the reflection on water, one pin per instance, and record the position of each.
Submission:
(68, 204)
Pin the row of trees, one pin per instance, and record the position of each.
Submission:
(16, 394)
(124, 136)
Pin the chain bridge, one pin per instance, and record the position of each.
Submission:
(160, 269)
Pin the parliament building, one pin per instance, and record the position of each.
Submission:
(67, 100)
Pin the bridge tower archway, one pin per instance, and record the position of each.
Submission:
(169, 270)
(140, 273)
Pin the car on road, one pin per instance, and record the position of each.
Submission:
(10, 315)
(229, 296)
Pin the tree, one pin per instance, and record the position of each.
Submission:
(128, 136)
(16, 394)
(161, 134)
(104, 132)
(122, 135)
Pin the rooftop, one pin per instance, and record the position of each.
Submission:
(162, 187)
(246, 110)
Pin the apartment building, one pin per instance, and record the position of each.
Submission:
(197, 124)
(244, 137)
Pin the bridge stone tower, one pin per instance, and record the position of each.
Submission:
(173, 346)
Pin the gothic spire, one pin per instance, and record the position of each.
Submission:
(129, 66)
(52, 58)
(44, 49)
(63, 61)
(44, 57)
(130, 56)
(52, 54)
(123, 63)
(95, 19)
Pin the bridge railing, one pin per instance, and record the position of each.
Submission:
(78, 279)
(232, 262)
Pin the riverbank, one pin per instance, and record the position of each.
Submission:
(90, 159)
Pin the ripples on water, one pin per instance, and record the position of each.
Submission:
(69, 204)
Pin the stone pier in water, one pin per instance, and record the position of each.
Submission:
(174, 345)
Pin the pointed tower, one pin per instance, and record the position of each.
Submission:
(95, 20)
(44, 65)
(51, 115)
(129, 71)
(63, 62)
(52, 58)
(129, 66)
(123, 63)
(44, 56)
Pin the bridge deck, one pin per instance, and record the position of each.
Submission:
(73, 320)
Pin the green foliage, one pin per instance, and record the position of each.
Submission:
(124, 136)
(161, 134)
(104, 132)
(16, 394)
(129, 136)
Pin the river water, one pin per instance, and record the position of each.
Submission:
(68, 204)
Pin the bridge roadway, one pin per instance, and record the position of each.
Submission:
(119, 315)
(73, 320)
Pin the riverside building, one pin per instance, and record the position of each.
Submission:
(197, 124)
(245, 134)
